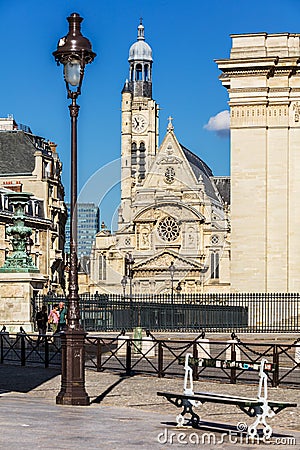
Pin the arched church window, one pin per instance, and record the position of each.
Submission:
(133, 153)
(102, 267)
(146, 70)
(142, 161)
(214, 265)
(139, 72)
(133, 158)
(168, 229)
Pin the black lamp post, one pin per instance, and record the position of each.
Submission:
(129, 261)
(123, 284)
(172, 271)
(74, 51)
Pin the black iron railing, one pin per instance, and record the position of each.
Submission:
(157, 357)
(248, 312)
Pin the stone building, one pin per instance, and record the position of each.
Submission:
(31, 164)
(173, 211)
(262, 77)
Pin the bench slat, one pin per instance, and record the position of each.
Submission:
(229, 400)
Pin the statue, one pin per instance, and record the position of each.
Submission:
(20, 259)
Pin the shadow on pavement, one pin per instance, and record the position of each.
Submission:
(24, 379)
(102, 396)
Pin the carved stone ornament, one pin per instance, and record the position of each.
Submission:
(162, 262)
(296, 109)
(168, 156)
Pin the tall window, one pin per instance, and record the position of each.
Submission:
(139, 72)
(214, 265)
(142, 169)
(102, 267)
(133, 159)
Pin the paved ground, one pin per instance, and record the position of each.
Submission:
(125, 413)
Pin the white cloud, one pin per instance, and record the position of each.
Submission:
(219, 123)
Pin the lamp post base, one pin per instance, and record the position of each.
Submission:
(73, 374)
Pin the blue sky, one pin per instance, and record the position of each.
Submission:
(185, 37)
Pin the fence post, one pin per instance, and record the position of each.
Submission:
(2, 349)
(160, 360)
(233, 369)
(275, 380)
(128, 357)
(195, 366)
(46, 353)
(23, 353)
(99, 356)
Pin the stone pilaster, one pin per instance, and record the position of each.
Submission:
(263, 81)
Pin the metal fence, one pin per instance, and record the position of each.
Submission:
(186, 312)
(157, 357)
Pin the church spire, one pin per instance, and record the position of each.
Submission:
(140, 61)
(141, 31)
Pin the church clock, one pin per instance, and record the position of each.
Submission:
(139, 123)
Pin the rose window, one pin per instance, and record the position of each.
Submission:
(168, 229)
(169, 175)
(214, 239)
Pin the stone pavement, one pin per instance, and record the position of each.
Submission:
(125, 413)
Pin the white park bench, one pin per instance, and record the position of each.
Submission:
(261, 407)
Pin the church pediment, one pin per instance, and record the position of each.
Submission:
(170, 168)
(162, 262)
(168, 155)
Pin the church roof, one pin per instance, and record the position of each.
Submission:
(200, 169)
(140, 50)
(223, 186)
(17, 150)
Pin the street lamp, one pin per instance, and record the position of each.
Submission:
(124, 283)
(129, 261)
(172, 271)
(74, 51)
(178, 288)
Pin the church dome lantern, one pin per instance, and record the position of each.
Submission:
(140, 50)
(140, 71)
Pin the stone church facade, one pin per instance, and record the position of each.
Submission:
(174, 214)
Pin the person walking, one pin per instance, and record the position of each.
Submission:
(41, 321)
(62, 317)
(53, 318)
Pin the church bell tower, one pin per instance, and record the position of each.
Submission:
(139, 124)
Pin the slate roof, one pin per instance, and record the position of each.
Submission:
(16, 153)
(201, 169)
(223, 186)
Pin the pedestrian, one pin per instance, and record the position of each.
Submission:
(53, 318)
(41, 321)
(62, 317)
